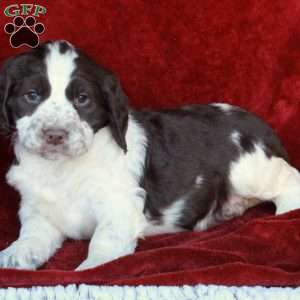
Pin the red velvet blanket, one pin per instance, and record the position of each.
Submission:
(169, 53)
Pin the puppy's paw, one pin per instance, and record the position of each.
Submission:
(20, 255)
(89, 263)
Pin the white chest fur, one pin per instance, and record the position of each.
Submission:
(74, 194)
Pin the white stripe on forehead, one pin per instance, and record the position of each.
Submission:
(60, 67)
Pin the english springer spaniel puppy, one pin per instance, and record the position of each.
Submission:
(90, 167)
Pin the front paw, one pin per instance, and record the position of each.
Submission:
(89, 263)
(20, 255)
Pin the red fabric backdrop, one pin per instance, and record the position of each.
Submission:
(169, 53)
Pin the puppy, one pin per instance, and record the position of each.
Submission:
(90, 167)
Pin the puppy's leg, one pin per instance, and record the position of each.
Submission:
(37, 242)
(119, 227)
(289, 196)
(255, 175)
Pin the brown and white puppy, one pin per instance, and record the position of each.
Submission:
(89, 167)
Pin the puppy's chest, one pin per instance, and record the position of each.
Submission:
(70, 196)
(69, 209)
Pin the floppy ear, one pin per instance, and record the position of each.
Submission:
(117, 107)
(4, 91)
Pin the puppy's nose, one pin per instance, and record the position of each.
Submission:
(55, 136)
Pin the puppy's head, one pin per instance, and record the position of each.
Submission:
(57, 99)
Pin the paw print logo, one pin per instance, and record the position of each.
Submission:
(24, 31)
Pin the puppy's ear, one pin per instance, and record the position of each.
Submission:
(4, 94)
(117, 107)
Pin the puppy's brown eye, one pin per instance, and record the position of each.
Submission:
(32, 97)
(81, 100)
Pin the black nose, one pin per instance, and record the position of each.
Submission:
(55, 136)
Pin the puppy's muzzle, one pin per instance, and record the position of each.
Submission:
(55, 136)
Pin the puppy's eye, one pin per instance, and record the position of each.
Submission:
(81, 100)
(32, 97)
